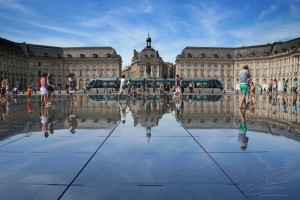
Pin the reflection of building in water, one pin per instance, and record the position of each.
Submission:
(203, 112)
(147, 113)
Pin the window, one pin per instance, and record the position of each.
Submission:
(95, 56)
(108, 55)
(182, 72)
(81, 55)
(69, 56)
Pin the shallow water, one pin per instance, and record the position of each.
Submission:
(155, 147)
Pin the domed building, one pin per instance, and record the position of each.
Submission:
(148, 64)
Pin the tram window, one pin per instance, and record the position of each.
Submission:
(91, 84)
(197, 85)
(98, 84)
(205, 84)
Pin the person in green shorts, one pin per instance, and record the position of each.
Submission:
(244, 76)
(242, 138)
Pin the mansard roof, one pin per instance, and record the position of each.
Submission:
(91, 51)
(43, 51)
(253, 51)
(285, 47)
(241, 52)
(11, 47)
(206, 52)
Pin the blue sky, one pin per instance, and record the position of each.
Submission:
(172, 24)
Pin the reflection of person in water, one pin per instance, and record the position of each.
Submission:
(179, 107)
(5, 108)
(274, 104)
(148, 133)
(45, 120)
(294, 108)
(72, 120)
(124, 108)
(242, 138)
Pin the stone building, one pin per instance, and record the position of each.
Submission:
(44, 59)
(147, 64)
(280, 60)
(23, 64)
(88, 63)
(13, 63)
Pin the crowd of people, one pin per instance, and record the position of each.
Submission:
(131, 90)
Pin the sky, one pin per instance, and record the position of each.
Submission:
(172, 24)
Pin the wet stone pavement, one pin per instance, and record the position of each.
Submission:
(157, 147)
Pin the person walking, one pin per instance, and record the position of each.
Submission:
(72, 84)
(270, 88)
(51, 86)
(244, 76)
(252, 92)
(295, 84)
(122, 86)
(285, 86)
(275, 87)
(177, 85)
(44, 91)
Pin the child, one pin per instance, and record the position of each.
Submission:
(252, 91)
(29, 92)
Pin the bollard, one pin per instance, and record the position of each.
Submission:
(97, 91)
(212, 91)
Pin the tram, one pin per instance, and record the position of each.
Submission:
(153, 98)
(200, 85)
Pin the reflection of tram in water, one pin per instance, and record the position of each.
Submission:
(113, 84)
(139, 98)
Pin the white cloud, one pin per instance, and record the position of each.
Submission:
(267, 11)
(295, 10)
(14, 5)
(268, 32)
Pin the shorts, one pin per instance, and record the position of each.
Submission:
(71, 91)
(244, 88)
(44, 91)
(178, 89)
(243, 127)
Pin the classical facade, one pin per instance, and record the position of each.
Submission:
(88, 63)
(148, 64)
(13, 63)
(280, 60)
(23, 64)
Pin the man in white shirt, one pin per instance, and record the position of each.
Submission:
(122, 86)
